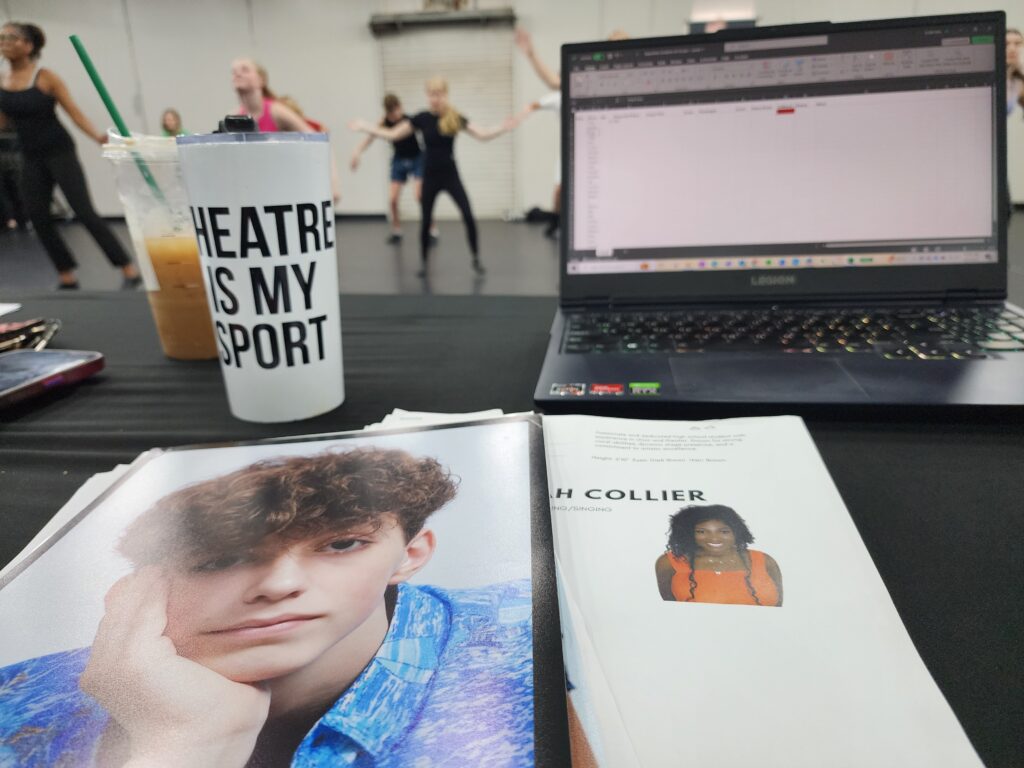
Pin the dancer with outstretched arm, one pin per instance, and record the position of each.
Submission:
(438, 126)
(29, 95)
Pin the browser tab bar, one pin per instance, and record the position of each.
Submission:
(781, 42)
(813, 67)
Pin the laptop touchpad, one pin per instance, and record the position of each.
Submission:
(757, 378)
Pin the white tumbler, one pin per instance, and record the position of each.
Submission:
(262, 211)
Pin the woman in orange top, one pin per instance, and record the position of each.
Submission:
(708, 554)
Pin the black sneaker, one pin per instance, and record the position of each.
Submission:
(478, 267)
(131, 283)
(68, 286)
(394, 238)
(434, 238)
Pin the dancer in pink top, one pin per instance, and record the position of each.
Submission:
(256, 99)
(249, 80)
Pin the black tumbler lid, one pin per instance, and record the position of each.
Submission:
(236, 124)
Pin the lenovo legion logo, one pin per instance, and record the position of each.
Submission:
(765, 281)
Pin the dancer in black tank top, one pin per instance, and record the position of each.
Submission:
(28, 97)
(438, 128)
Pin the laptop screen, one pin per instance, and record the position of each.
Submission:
(846, 148)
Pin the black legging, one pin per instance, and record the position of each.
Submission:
(38, 175)
(11, 207)
(444, 180)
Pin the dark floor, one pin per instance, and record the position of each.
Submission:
(518, 258)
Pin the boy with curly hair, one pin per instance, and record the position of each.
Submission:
(269, 621)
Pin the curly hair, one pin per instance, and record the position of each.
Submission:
(682, 541)
(290, 498)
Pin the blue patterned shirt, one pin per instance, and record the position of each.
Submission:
(451, 685)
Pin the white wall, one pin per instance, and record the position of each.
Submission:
(157, 54)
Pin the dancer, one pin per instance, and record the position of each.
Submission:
(256, 99)
(406, 161)
(438, 126)
(551, 102)
(28, 98)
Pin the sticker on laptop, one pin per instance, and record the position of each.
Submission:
(568, 390)
(645, 388)
(607, 389)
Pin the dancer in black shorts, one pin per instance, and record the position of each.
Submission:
(438, 126)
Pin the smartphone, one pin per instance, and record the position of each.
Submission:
(25, 373)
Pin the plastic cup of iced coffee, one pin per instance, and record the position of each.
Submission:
(152, 192)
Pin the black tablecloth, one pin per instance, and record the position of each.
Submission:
(938, 502)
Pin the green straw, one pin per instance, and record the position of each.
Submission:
(115, 115)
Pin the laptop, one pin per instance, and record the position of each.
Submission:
(810, 214)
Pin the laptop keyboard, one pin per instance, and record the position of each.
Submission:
(897, 334)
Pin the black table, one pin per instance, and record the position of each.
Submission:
(937, 500)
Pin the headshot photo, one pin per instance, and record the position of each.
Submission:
(708, 559)
(268, 619)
